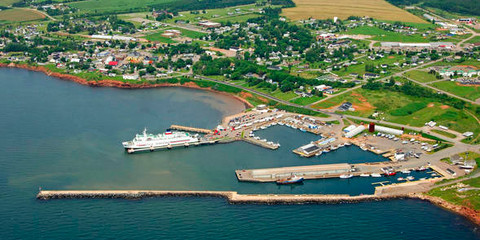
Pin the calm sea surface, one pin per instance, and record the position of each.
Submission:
(60, 135)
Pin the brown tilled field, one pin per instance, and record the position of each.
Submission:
(323, 9)
(17, 15)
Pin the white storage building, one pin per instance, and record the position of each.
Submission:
(388, 130)
(355, 131)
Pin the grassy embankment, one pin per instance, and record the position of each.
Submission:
(466, 193)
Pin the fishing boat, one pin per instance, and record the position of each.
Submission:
(410, 178)
(290, 180)
(400, 179)
(319, 153)
(364, 175)
(348, 143)
(345, 176)
(390, 173)
(406, 171)
(376, 175)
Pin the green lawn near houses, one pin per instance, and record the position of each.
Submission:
(421, 76)
(386, 36)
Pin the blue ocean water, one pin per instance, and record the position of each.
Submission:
(60, 135)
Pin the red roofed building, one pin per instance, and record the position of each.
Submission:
(113, 63)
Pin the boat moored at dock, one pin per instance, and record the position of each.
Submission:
(290, 180)
(150, 142)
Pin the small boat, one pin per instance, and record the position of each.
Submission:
(348, 143)
(291, 180)
(410, 178)
(326, 150)
(406, 171)
(303, 130)
(364, 175)
(400, 179)
(345, 176)
(390, 173)
(376, 175)
(281, 124)
(319, 153)
(422, 168)
(294, 127)
(263, 127)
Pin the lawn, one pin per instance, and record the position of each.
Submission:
(386, 36)
(469, 92)
(421, 76)
(20, 15)
(366, 102)
(323, 9)
(190, 33)
(305, 100)
(360, 68)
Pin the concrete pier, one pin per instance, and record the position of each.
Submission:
(230, 196)
(308, 172)
(191, 129)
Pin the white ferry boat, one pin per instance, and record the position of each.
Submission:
(146, 141)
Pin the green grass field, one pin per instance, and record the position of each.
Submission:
(99, 6)
(217, 15)
(157, 37)
(239, 18)
(386, 36)
(469, 92)
(366, 102)
(421, 76)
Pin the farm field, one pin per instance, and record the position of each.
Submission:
(20, 15)
(421, 76)
(366, 102)
(5, 3)
(470, 92)
(386, 36)
(323, 9)
(114, 5)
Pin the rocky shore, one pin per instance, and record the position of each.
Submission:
(116, 83)
(470, 213)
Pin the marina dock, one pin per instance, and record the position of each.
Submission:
(308, 172)
(260, 143)
(190, 129)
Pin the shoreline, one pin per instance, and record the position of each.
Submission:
(117, 83)
(471, 214)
